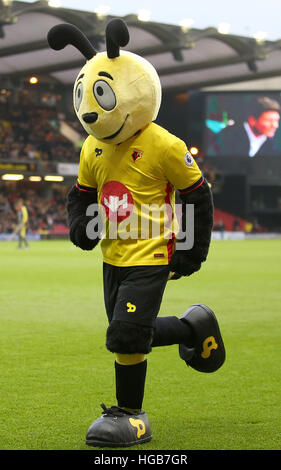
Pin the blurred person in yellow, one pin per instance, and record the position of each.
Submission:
(22, 223)
(248, 227)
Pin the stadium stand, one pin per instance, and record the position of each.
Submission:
(47, 214)
(224, 221)
(40, 135)
(30, 131)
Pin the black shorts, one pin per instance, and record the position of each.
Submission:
(134, 294)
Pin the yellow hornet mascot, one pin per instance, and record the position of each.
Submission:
(129, 170)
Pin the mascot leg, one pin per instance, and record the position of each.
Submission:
(130, 369)
(132, 297)
(198, 335)
(125, 425)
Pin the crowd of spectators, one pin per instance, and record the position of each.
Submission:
(29, 131)
(45, 212)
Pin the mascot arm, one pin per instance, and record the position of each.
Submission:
(186, 262)
(78, 200)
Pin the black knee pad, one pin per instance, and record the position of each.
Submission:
(128, 338)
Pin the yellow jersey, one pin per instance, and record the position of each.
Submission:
(23, 216)
(136, 182)
(23, 219)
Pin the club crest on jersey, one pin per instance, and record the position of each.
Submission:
(188, 159)
(137, 154)
(117, 201)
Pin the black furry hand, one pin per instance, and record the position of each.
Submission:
(174, 276)
(181, 264)
(79, 237)
(78, 201)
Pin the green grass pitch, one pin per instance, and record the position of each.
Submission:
(55, 370)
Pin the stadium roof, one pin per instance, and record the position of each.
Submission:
(184, 58)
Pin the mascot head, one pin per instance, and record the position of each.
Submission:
(116, 93)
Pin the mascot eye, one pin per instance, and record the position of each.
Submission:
(78, 96)
(104, 95)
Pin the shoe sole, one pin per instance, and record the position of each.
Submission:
(97, 443)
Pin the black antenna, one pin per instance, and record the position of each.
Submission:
(63, 34)
(117, 35)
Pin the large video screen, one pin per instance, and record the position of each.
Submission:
(242, 124)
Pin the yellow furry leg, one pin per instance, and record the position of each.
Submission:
(129, 359)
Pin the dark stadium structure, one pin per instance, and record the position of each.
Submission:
(184, 58)
(40, 136)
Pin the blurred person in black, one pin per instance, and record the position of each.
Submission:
(255, 136)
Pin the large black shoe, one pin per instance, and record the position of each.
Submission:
(119, 428)
(208, 354)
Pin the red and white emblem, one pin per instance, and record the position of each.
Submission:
(137, 154)
(117, 201)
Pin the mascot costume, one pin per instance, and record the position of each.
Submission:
(127, 162)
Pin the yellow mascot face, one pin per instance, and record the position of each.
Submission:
(116, 93)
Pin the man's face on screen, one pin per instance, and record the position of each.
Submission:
(267, 123)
